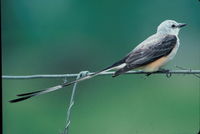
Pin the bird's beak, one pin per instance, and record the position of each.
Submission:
(180, 25)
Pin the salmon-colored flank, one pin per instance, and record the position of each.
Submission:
(155, 65)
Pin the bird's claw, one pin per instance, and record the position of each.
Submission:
(148, 74)
(167, 71)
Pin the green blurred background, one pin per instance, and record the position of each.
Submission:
(68, 36)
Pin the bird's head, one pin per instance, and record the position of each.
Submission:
(170, 27)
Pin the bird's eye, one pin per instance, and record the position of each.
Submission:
(173, 26)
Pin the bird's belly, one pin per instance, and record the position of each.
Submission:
(155, 65)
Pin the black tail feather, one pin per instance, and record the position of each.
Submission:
(20, 99)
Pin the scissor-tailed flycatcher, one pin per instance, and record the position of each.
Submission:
(148, 56)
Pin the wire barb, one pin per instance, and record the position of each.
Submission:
(187, 69)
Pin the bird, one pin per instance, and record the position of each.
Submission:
(149, 56)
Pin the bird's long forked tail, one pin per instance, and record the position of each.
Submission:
(26, 96)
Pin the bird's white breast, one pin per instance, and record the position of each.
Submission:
(174, 51)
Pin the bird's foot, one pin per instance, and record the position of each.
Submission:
(167, 71)
(162, 70)
(148, 74)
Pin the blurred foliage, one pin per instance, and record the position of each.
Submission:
(68, 36)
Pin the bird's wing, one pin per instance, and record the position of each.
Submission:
(151, 51)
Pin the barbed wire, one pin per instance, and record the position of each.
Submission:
(188, 71)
